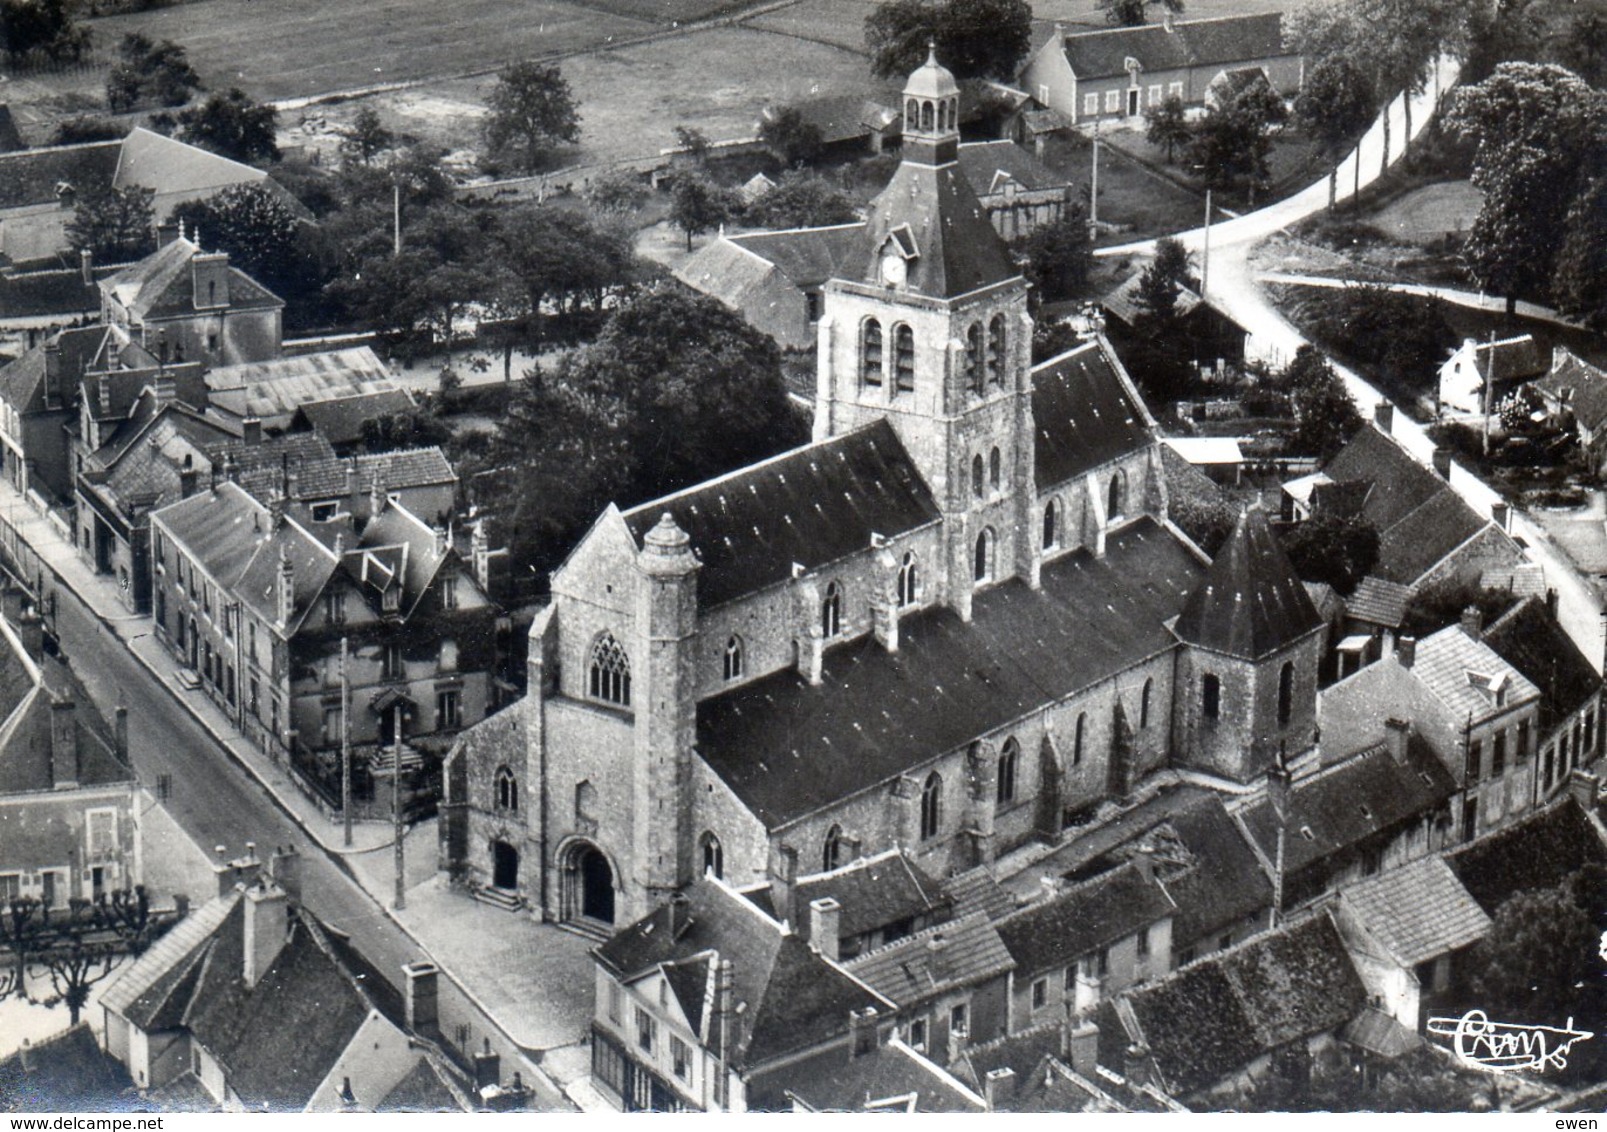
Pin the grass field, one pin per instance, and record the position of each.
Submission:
(279, 49)
(1428, 213)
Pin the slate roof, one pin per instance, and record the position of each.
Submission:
(786, 748)
(1189, 43)
(341, 419)
(161, 285)
(788, 997)
(424, 1089)
(273, 390)
(892, 1078)
(1086, 414)
(67, 1072)
(22, 382)
(144, 991)
(1056, 931)
(956, 248)
(1122, 303)
(26, 692)
(1468, 676)
(1250, 602)
(1419, 911)
(806, 256)
(961, 953)
(1213, 1017)
(1537, 852)
(811, 506)
(1576, 383)
(873, 892)
(168, 166)
(1222, 884)
(1420, 520)
(147, 474)
(984, 163)
(39, 294)
(1345, 804)
(1533, 642)
(30, 176)
(1379, 602)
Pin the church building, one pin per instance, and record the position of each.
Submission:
(955, 622)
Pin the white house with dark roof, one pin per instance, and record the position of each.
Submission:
(955, 621)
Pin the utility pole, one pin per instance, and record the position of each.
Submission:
(1278, 789)
(1489, 387)
(1093, 190)
(345, 746)
(396, 217)
(396, 810)
(1205, 254)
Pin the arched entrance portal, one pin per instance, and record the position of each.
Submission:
(588, 884)
(504, 865)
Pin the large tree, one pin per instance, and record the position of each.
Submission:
(1334, 106)
(1167, 126)
(73, 949)
(234, 125)
(42, 29)
(1541, 945)
(698, 205)
(114, 225)
(1058, 256)
(1325, 413)
(790, 137)
(367, 137)
(254, 225)
(1232, 144)
(802, 200)
(1579, 284)
(1540, 133)
(1134, 13)
(1337, 549)
(975, 39)
(156, 73)
(530, 111)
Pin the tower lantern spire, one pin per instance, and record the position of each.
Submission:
(931, 112)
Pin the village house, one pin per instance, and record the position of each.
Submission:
(1538, 851)
(251, 1003)
(67, 1071)
(707, 1004)
(255, 599)
(1478, 375)
(1017, 190)
(1574, 394)
(1054, 1067)
(892, 1077)
(332, 392)
(67, 793)
(1208, 337)
(966, 526)
(1116, 74)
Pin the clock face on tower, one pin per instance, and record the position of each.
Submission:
(893, 268)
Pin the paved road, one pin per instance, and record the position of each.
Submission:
(218, 803)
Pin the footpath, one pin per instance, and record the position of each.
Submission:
(531, 981)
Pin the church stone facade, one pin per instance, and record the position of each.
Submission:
(955, 622)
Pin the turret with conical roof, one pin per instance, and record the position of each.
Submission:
(1248, 673)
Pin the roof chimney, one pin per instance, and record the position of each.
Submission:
(284, 866)
(86, 267)
(251, 431)
(825, 926)
(1406, 651)
(1501, 516)
(1473, 622)
(1384, 416)
(376, 495)
(52, 370)
(64, 758)
(1442, 462)
(1397, 732)
(187, 482)
(861, 1032)
(1135, 1065)
(210, 275)
(267, 926)
(996, 1085)
(423, 992)
(440, 540)
(285, 587)
(487, 1068)
(1084, 1052)
(1583, 788)
(783, 883)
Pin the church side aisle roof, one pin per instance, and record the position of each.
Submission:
(787, 748)
(1084, 413)
(810, 506)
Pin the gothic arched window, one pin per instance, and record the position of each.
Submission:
(931, 806)
(831, 853)
(1051, 525)
(713, 855)
(1143, 702)
(979, 476)
(1009, 758)
(1210, 695)
(733, 658)
(610, 671)
(870, 353)
(1286, 693)
(831, 611)
(1118, 496)
(908, 579)
(973, 358)
(983, 566)
(996, 350)
(1077, 741)
(507, 790)
(903, 359)
(995, 470)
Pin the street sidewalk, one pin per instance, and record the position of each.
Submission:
(368, 859)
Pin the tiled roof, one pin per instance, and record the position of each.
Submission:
(1250, 602)
(37, 294)
(147, 474)
(788, 998)
(1054, 932)
(1512, 359)
(1191, 43)
(1468, 676)
(341, 419)
(873, 892)
(738, 277)
(22, 382)
(161, 285)
(1222, 883)
(1537, 852)
(917, 968)
(425, 1089)
(786, 747)
(839, 117)
(934, 207)
(1379, 1034)
(983, 163)
(1533, 642)
(168, 166)
(1020, 1052)
(67, 1072)
(1419, 911)
(1420, 519)
(689, 982)
(1086, 414)
(30, 176)
(1213, 1017)
(976, 890)
(1122, 303)
(26, 693)
(273, 390)
(811, 506)
(1379, 602)
(1576, 383)
(1350, 801)
(892, 1078)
